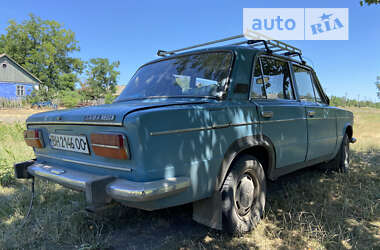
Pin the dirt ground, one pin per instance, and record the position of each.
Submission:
(17, 115)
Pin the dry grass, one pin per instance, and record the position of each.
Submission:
(9, 116)
(309, 209)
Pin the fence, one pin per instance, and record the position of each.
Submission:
(6, 103)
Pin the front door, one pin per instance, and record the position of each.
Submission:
(282, 117)
(321, 121)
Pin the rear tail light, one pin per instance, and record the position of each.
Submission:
(110, 145)
(33, 138)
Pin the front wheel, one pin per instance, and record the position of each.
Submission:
(344, 163)
(243, 195)
(341, 162)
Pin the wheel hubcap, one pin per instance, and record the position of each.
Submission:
(347, 155)
(245, 194)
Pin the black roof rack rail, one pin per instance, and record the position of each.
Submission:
(260, 41)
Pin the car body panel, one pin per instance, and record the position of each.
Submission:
(321, 131)
(287, 130)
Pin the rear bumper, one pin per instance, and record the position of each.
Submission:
(102, 189)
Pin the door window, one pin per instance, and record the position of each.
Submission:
(257, 90)
(318, 95)
(304, 83)
(273, 82)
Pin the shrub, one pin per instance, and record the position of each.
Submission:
(69, 98)
(109, 98)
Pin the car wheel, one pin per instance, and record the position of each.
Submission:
(341, 162)
(344, 163)
(243, 195)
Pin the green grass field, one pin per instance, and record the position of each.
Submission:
(309, 209)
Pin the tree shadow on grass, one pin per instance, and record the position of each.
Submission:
(333, 210)
(308, 208)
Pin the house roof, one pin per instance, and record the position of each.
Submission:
(22, 68)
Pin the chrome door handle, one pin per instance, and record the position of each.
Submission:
(311, 113)
(267, 114)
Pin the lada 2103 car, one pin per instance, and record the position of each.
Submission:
(207, 126)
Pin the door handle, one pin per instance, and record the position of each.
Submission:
(267, 114)
(311, 113)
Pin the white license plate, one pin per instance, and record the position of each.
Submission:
(75, 143)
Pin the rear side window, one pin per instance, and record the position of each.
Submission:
(257, 90)
(304, 83)
(273, 81)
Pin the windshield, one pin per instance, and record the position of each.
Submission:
(194, 75)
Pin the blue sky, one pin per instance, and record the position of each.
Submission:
(132, 31)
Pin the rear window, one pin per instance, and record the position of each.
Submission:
(194, 75)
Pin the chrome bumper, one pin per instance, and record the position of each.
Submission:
(104, 188)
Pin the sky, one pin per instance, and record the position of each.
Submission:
(132, 32)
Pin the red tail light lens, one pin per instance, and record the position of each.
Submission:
(33, 138)
(110, 145)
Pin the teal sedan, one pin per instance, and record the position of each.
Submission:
(207, 126)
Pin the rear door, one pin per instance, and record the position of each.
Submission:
(321, 121)
(282, 117)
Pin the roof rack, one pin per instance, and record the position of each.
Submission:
(260, 41)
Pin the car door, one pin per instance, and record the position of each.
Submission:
(282, 118)
(321, 120)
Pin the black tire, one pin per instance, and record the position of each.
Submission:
(344, 164)
(243, 195)
(341, 162)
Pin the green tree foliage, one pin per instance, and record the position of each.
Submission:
(101, 78)
(43, 47)
(369, 2)
(378, 86)
(109, 98)
(347, 102)
(69, 98)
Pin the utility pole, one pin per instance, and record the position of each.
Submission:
(345, 99)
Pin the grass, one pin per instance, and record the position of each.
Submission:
(309, 209)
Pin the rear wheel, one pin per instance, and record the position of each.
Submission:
(243, 195)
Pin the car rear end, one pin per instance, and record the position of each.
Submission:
(93, 155)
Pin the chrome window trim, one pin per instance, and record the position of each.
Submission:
(84, 163)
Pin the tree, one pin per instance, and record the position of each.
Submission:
(378, 86)
(369, 2)
(43, 47)
(101, 78)
(69, 98)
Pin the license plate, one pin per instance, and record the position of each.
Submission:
(74, 143)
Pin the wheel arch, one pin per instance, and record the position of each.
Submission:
(259, 146)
